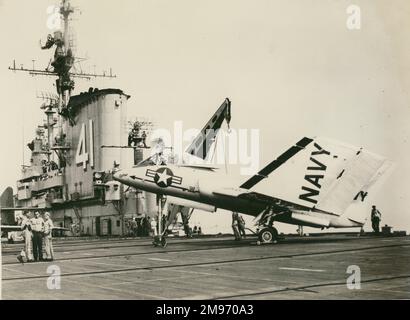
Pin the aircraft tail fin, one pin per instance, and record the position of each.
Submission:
(321, 173)
(200, 147)
(201, 144)
(6, 198)
(359, 210)
(7, 201)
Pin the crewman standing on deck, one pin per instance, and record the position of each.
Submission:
(48, 231)
(27, 252)
(235, 225)
(154, 229)
(376, 217)
(37, 225)
(134, 227)
(241, 225)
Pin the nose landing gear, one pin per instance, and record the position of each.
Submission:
(160, 241)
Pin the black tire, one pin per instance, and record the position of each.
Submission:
(268, 235)
(163, 242)
(156, 241)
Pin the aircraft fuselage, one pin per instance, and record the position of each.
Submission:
(214, 189)
(186, 183)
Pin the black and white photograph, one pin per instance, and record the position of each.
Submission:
(233, 150)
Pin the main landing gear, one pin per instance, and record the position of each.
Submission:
(266, 232)
(267, 235)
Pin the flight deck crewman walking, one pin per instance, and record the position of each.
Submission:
(48, 234)
(376, 217)
(241, 225)
(37, 225)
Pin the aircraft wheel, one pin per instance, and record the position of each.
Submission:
(163, 242)
(156, 241)
(267, 235)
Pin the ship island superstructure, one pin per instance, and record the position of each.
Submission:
(83, 138)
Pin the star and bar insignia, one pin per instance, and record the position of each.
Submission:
(163, 177)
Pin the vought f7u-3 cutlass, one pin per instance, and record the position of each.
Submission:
(317, 183)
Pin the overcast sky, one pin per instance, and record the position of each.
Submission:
(291, 68)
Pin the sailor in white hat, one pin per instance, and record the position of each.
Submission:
(48, 228)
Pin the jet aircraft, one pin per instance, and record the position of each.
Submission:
(317, 182)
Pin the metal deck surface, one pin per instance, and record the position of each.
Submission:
(215, 268)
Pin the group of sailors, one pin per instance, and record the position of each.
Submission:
(34, 232)
(136, 138)
(145, 226)
(139, 226)
(48, 166)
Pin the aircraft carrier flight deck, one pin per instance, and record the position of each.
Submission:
(211, 267)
